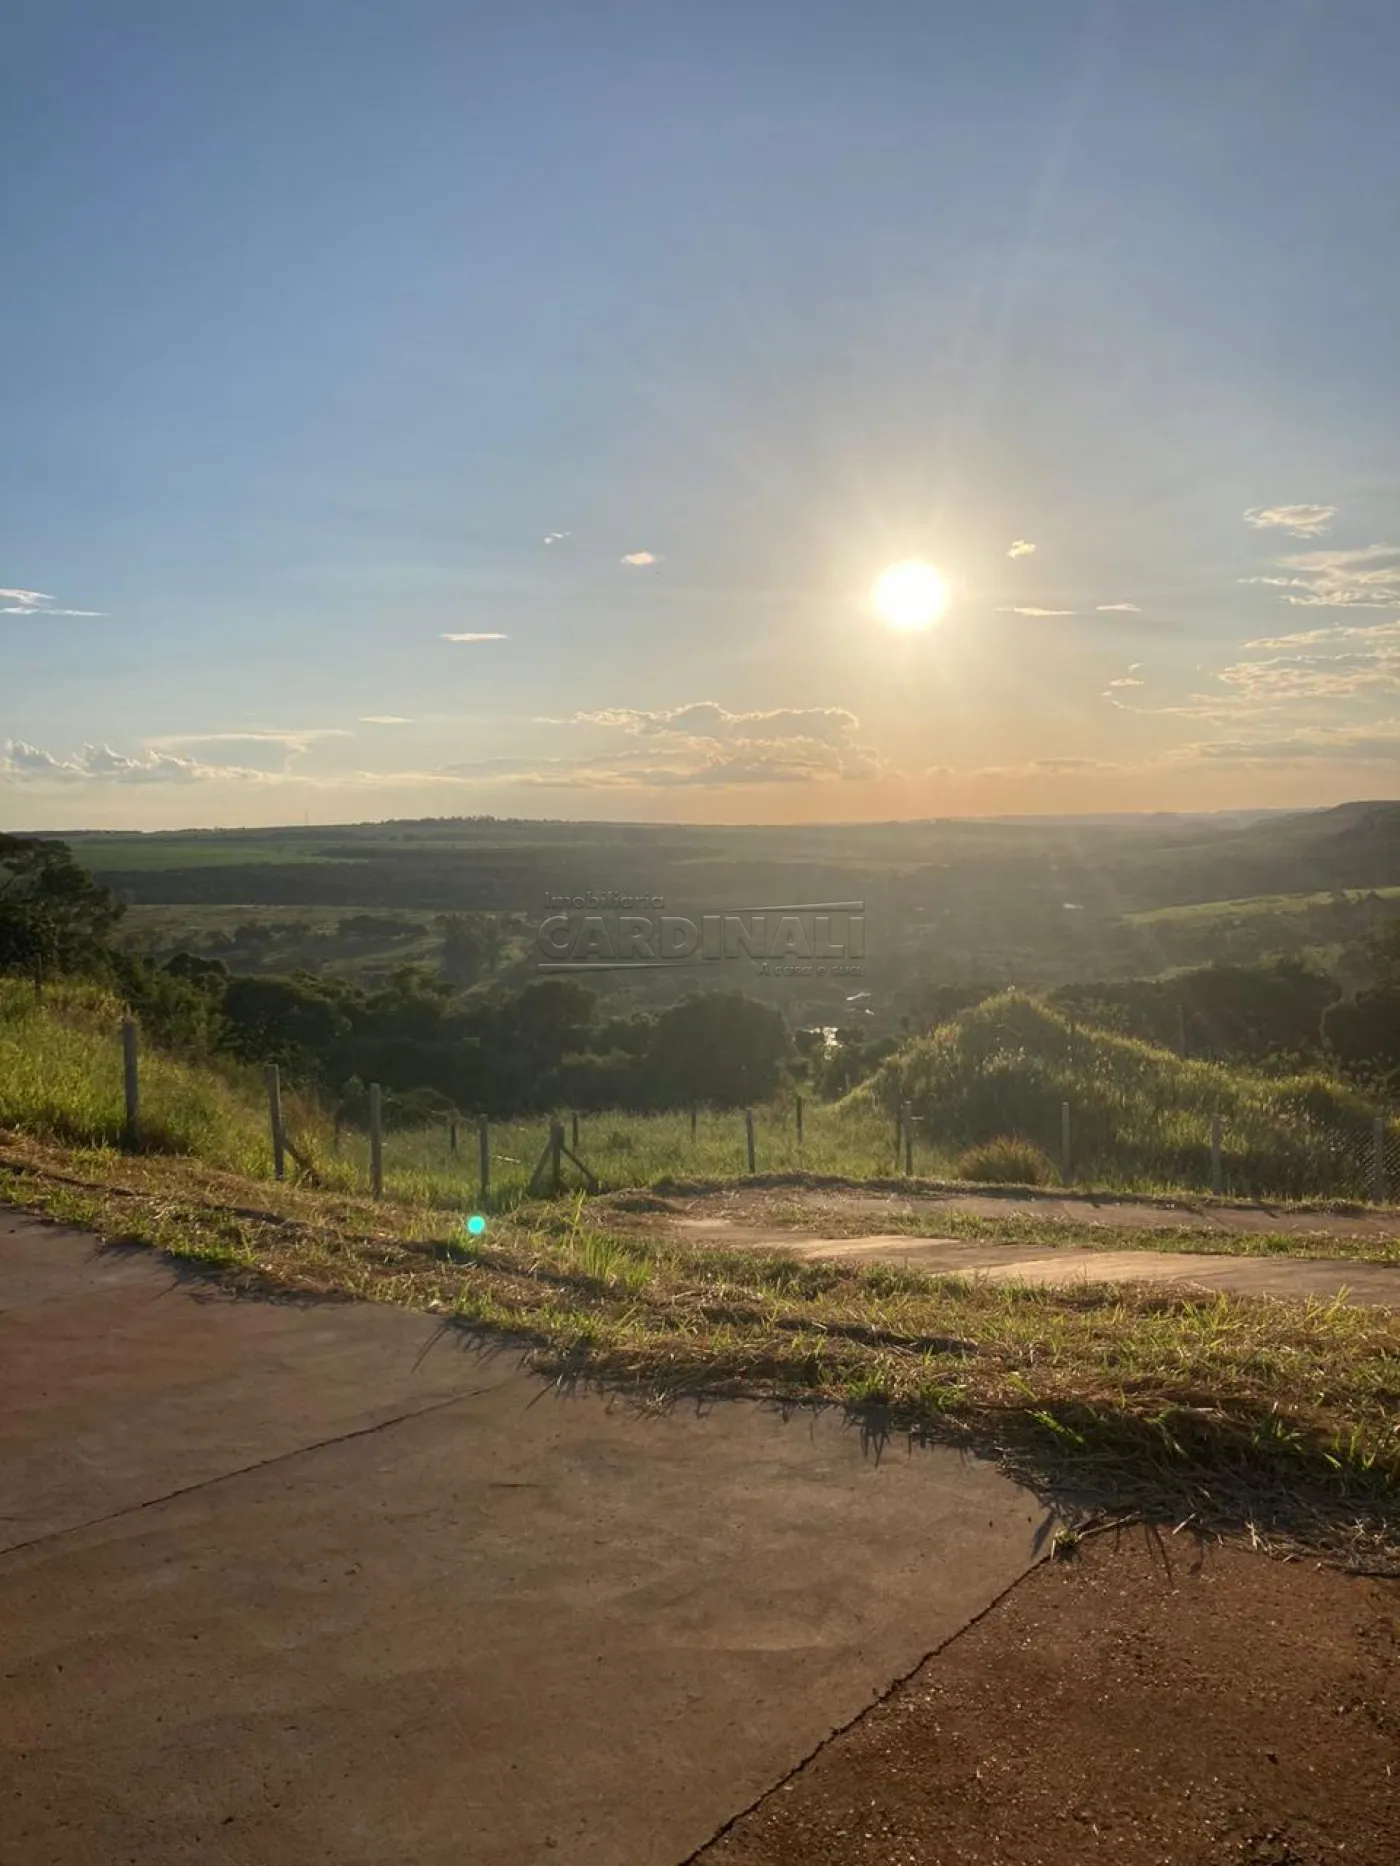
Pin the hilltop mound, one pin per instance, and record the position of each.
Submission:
(1138, 1112)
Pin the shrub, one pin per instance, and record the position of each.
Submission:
(1005, 1161)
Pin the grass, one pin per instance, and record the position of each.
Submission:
(1252, 906)
(1265, 1419)
(1141, 1116)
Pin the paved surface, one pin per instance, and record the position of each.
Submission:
(1376, 1283)
(327, 1583)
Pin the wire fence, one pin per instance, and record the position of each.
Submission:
(1251, 1151)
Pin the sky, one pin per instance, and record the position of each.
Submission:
(428, 408)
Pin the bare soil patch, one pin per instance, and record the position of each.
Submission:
(1147, 1700)
(768, 1207)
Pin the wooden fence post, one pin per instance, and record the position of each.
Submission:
(799, 1120)
(1378, 1174)
(573, 1130)
(376, 1139)
(272, 1076)
(131, 1082)
(452, 1133)
(748, 1138)
(1066, 1163)
(1216, 1177)
(483, 1141)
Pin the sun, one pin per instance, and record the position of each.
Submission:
(910, 596)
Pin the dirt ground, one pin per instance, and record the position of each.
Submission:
(836, 1209)
(1149, 1700)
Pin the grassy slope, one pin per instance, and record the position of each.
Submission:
(1140, 1116)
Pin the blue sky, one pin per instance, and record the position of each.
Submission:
(322, 316)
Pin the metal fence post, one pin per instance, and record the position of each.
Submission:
(131, 1082)
(1066, 1163)
(272, 1076)
(1379, 1188)
(799, 1120)
(483, 1141)
(573, 1130)
(376, 1139)
(1216, 1180)
(748, 1137)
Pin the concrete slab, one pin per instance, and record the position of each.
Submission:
(122, 1380)
(520, 1626)
(1291, 1278)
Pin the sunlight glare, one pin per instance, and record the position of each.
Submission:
(909, 596)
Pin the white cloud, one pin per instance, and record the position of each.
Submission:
(22, 762)
(1285, 679)
(1022, 547)
(1029, 609)
(1117, 609)
(557, 537)
(700, 744)
(384, 719)
(1335, 632)
(640, 559)
(1126, 680)
(296, 739)
(1368, 578)
(476, 636)
(1358, 744)
(36, 603)
(1303, 521)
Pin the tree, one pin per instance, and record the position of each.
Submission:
(466, 949)
(53, 916)
(718, 1047)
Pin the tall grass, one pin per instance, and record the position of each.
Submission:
(1141, 1116)
(61, 1080)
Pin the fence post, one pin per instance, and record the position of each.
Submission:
(483, 1141)
(131, 1082)
(799, 1120)
(898, 1134)
(748, 1137)
(272, 1075)
(573, 1130)
(452, 1133)
(556, 1162)
(376, 1139)
(908, 1120)
(1216, 1181)
(693, 1115)
(1378, 1187)
(1065, 1160)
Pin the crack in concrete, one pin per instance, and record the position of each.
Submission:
(243, 1470)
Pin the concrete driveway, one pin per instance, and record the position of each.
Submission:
(286, 1583)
